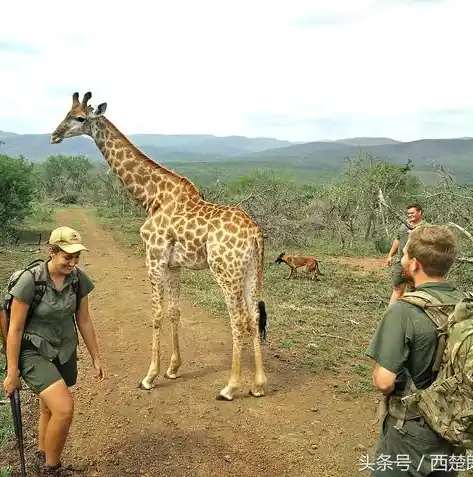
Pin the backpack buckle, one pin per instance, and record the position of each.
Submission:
(409, 399)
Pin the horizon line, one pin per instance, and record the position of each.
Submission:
(259, 137)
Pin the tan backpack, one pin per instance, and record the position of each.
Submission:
(447, 404)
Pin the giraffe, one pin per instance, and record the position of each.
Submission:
(181, 229)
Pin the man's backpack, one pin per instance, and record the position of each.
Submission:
(36, 268)
(447, 404)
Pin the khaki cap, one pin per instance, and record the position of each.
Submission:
(66, 239)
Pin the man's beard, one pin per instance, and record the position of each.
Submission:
(406, 275)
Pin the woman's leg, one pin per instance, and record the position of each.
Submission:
(58, 400)
(44, 417)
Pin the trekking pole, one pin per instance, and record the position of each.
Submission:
(16, 412)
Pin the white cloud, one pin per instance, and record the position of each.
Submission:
(374, 67)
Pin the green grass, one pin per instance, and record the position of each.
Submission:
(5, 471)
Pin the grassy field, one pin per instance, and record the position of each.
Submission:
(323, 326)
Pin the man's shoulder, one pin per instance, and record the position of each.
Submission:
(424, 223)
(443, 291)
(399, 315)
(401, 309)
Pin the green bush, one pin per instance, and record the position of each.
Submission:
(382, 244)
(17, 190)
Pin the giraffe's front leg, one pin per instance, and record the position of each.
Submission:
(175, 315)
(158, 278)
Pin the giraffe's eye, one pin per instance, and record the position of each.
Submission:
(81, 119)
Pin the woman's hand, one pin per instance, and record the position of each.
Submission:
(99, 370)
(11, 383)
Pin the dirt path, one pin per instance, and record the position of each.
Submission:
(302, 427)
(363, 266)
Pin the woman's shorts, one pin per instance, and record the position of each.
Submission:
(39, 373)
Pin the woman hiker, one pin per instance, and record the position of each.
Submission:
(43, 350)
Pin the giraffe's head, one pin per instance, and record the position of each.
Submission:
(78, 119)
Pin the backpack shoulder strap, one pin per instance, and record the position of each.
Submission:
(38, 270)
(430, 305)
(76, 285)
(433, 309)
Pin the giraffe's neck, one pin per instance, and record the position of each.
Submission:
(152, 185)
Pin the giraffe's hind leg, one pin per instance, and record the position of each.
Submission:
(232, 286)
(251, 298)
(174, 313)
(238, 319)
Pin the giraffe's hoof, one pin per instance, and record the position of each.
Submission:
(144, 386)
(223, 397)
(171, 376)
(256, 393)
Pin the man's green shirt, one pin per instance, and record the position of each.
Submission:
(406, 338)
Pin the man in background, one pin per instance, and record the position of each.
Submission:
(415, 218)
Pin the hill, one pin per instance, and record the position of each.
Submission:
(243, 153)
(367, 141)
(37, 147)
(454, 154)
(6, 134)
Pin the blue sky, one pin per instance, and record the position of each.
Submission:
(295, 70)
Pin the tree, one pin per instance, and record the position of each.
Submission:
(17, 190)
(351, 203)
(66, 178)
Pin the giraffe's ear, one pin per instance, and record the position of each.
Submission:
(101, 108)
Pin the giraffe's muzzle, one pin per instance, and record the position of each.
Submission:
(55, 139)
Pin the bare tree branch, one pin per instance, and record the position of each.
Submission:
(465, 259)
(383, 202)
(461, 229)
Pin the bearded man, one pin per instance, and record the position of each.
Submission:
(405, 344)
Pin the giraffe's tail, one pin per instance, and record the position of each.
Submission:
(262, 320)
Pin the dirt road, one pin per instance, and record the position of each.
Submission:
(302, 427)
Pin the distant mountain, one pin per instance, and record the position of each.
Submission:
(5, 134)
(455, 154)
(367, 141)
(205, 144)
(37, 147)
